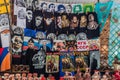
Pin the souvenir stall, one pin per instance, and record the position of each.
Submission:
(59, 40)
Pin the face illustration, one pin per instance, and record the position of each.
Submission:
(74, 19)
(17, 42)
(59, 19)
(29, 15)
(38, 20)
(30, 44)
(21, 14)
(52, 7)
(68, 9)
(83, 21)
(44, 6)
(4, 20)
(91, 17)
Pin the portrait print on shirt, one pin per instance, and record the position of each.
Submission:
(49, 22)
(38, 20)
(20, 3)
(92, 27)
(29, 19)
(21, 17)
(36, 5)
(74, 21)
(68, 8)
(52, 63)
(40, 35)
(45, 45)
(81, 60)
(62, 23)
(82, 22)
(17, 42)
(58, 45)
(51, 7)
(81, 36)
(4, 22)
(38, 60)
(44, 6)
(17, 30)
(60, 8)
(52, 36)
(67, 61)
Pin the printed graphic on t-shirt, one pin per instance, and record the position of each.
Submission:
(52, 63)
(39, 60)
(81, 60)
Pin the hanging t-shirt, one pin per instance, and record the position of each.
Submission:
(81, 60)
(49, 22)
(62, 23)
(82, 22)
(29, 19)
(74, 21)
(77, 8)
(36, 61)
(52, 64)
(92, 27)
(38, 20)
(29, 33)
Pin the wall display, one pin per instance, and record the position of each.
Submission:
(71, 45)
(67, 60)
(94, 44)
(88, 7)
(77, 8)
(82, 45)
(49, 22)
(81, 60)
(59, 45)
(93, 27)
(4, 23)
(38, 20)
(52, 63)
(21, 17)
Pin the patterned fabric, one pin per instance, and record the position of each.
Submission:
(114, 36)
(103, 10)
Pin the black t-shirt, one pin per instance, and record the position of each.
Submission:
(92, 27)
(62, 23)
(49, 22)
(82, 22)
(29, 19)
(38, 20)
(74, 21)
